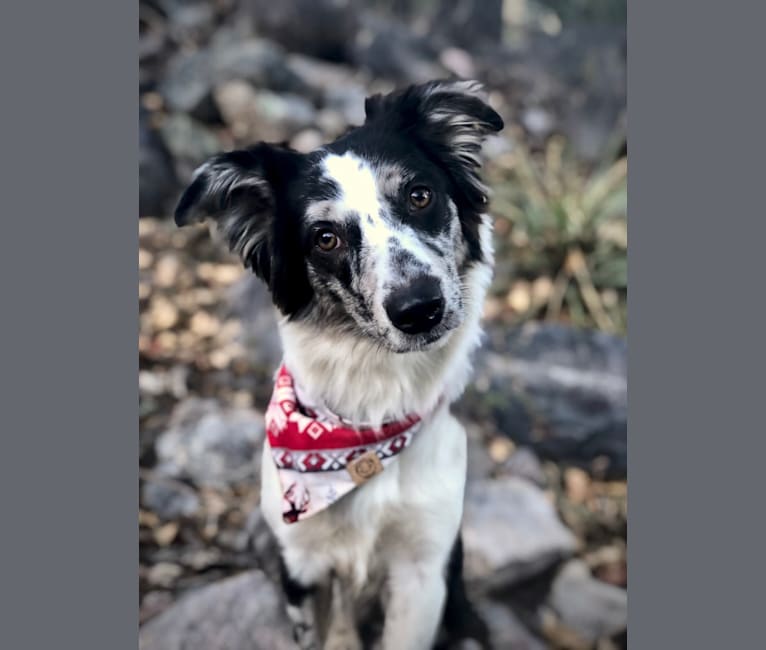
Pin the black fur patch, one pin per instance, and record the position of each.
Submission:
(249, 194)
(295, 593)
(460, 619)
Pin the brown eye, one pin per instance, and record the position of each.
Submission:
(420, 197)
(327, 240)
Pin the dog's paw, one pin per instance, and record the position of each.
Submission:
(305, 636)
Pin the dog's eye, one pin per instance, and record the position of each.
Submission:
(326, 240)
(420, 197)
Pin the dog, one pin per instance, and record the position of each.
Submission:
(377, 252)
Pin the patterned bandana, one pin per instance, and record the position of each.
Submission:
(319, 457)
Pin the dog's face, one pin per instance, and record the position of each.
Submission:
(372, 233)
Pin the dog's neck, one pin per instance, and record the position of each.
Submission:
(364, 383)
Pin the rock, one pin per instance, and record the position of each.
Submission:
(505, 628)
(331, 123)
(324, 29)
(163, 574)
(169, 499)
(255, 115)
(261, 63)
(191, 76)
(480, 464)
(525, 464)
(187, 83)
(307, 140)
(251, 303)
(348, 100)
(153, 603)
(263, 543)
(392, 51)
(588, 607)
(189, 20)
(240, 613)
(209, 444)
(189, 141)
(157, 178)
(510, 532)
(320, 76)
(458, 62)
(559, 390)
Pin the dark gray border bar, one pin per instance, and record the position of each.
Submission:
(68, 464)
(696, 409)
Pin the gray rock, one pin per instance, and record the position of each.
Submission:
(324, 29)
(191, 76)
(348, 100)
(480, 464)
(525, 464)
(505, 628)
(190, 141)
(590, 608)
(187, 82)
(320, 76)
(307, 140)
(209, 444)
(510, 532)
(250, 302)
(189, 20)
(263, 543)
(240, 613)
(560, 390)
(158, 182)
(390, 50)
(261, 114)
(168, 499)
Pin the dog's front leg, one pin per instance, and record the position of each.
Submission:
(413, 613)
(301, 609)
(342, 633)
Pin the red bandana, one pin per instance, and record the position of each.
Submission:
(319, 457)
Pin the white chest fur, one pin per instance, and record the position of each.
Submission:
(405, 513)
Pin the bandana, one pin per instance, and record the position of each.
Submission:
(319, 457)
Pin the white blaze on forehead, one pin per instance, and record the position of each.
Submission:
(364, 190)
(359, 194)
(356, 180)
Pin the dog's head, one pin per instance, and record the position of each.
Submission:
(372, 233)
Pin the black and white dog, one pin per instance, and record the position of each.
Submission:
(377, 251)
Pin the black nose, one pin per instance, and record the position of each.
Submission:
(417, 307)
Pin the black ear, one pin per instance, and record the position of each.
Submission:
(449, 120)
(244, 194)
(456, 112)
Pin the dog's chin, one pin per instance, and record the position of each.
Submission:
(433, 340)
(423, 343)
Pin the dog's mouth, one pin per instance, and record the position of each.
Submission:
(434, 339)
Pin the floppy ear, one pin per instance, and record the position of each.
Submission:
(243, 194)
(454, 112)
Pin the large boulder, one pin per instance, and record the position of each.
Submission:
(559, 390)
(244, 612)
(209, 444)
(510, 532)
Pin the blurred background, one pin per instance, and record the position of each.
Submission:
(546, 505)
